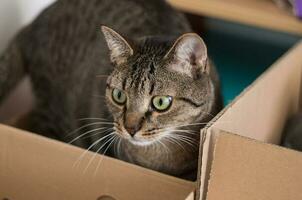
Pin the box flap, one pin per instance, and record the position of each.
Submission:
(260, 112)
(33, 167)
(246, 169)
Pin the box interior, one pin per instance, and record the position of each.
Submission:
(242, 53)
(260, 112)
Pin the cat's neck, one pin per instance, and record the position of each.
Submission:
(178, 157)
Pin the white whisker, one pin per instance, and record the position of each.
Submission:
(185, 140)
(86, 133)
(169, 138)
(165, 146)
(95, 154)
(92, 145)
(119, 146)
(97, 133)
(87, 125)
(102, 158)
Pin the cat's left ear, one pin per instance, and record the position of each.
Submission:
(119, 48)
(188, 55)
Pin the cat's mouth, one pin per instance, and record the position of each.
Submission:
(141, 137)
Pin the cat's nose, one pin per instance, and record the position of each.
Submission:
(131, 130)
(133, 123)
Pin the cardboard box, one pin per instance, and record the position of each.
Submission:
(238, 158)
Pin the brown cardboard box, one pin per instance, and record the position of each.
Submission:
(238, 158)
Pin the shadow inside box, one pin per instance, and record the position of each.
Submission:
(242, 53)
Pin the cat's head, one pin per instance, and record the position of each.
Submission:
(159, 88)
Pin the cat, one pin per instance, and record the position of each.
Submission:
(160, 86)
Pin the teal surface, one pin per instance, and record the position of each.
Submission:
(241, 56)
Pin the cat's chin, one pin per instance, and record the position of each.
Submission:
(140, 142)
(145, 141)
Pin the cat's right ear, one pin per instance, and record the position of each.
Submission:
(119, 48)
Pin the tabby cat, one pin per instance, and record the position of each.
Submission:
(158, 84)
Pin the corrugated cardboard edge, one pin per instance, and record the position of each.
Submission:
(205, 141)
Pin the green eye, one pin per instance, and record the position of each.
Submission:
(119, 96)
(162, 103)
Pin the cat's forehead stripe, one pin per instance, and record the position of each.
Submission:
(124, 83)
(152, 88)
(142, 74)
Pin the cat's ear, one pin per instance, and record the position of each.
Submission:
(119, 48)
(188, 55)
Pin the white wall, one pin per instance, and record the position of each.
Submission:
(16, 13)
